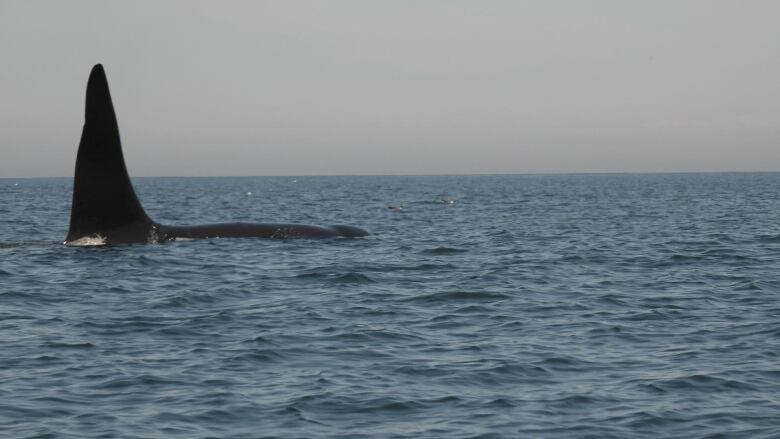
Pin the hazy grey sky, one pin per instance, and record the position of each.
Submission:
(395, 87)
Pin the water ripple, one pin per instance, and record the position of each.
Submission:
(604, 306)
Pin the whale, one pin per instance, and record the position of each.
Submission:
(105, 209)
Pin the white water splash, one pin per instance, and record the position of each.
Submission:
(154, 236)
(88, 241)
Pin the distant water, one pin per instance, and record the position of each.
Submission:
(481, 307)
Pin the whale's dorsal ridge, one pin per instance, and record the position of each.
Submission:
(103, 197)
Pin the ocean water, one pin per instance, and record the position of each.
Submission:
(481, 307)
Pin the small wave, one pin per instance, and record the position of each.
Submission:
(748, 285)
(34, 243)
(641, 420)
(565, 364)
(424, 371)
(260, 340)
(129, 324)
(375, 406)
(518, 370)
(373, 335)
(350, 277)
(500, 403)
(475, 309)
(680, 258)
(145, 380)
(443, 251)
(254, 356)
(572, 258)
(12, 411)
(7, 295)
(353, 277)
(77, 345)
(388, 405)
(605, 330)
(491, 372)
(694, 242)
(703, 382)
(613, 299)
(6, 317)
(460, 296)
(181, 300)
(768, 238)
(388, 268)
(573, 401)
(648, 316)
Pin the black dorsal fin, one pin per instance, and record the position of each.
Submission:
(104, 202)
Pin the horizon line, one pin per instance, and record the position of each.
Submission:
(466, 174)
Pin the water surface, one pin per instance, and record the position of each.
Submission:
(482, 306)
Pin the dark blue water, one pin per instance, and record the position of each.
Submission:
(487, 306)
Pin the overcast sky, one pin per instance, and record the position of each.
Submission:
(396, 87)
